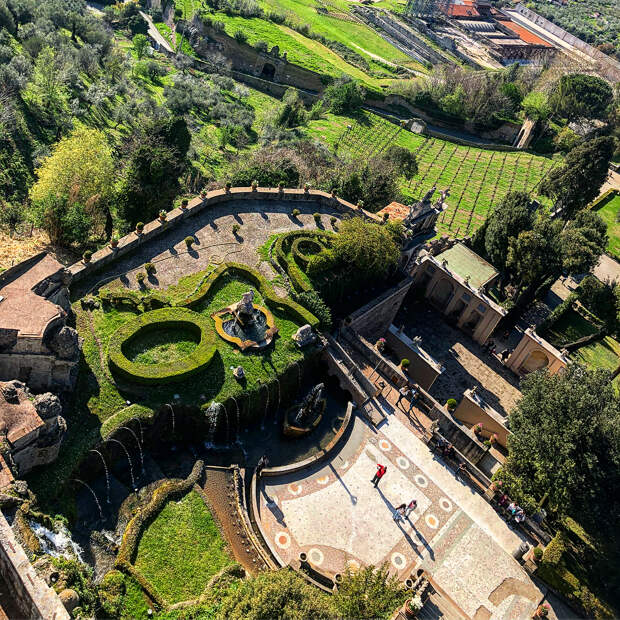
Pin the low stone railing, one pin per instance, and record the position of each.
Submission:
(153, 229)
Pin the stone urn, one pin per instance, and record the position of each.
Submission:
(162, 216)
(184, 204)
(114, 243)
(412, 606)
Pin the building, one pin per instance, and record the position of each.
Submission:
(455, 283)
(36, 345)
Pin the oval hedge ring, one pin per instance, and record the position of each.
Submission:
(158, 320)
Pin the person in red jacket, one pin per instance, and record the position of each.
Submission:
(381, 469)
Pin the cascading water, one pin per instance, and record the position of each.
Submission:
(227, 435)
(266, 385)
(133, 480)
(107, 474)
(212, 414)
(93, 494)
(140, 427)
(238, 440)
(57, 542)
(172, 414)
(139, 445)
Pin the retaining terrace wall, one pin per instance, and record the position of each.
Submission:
(153, 229)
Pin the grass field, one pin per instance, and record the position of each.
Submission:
(182, 549)
(609, 212)
(477, 178)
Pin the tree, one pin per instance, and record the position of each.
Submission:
(275, 594)
(343, 97)
(577, 182)
(565, 442)
(536, 106)
(583, 241)
(155, 156)
(365, 248)
(535, 254)
(80, 170)
(369, 593)
(66, 222)
(140, 45)
(579, 96)
(292, 112)
(511, 217)
(404, 160)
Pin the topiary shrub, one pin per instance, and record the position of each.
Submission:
(317, 217)
(156, 320)
(405, 363)
(87, 256)
(140, 277)
(149, 268)
(451, 404)
(303, 249)
(235, 229)
(313, 301)
(538, 554)
(323, 261)
(189, 241)
(295, 212)
(333, 221)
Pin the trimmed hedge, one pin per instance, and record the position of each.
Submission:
(307, 243)
(167, 490)
(295, 310)
(163, 318)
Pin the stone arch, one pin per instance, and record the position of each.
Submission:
(442, 293)
(536, 360)
(268, 72)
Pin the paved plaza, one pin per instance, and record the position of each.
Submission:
(334, 514)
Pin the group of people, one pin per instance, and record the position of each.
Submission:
(491, 348)
(516, 512)
(409, 393)
(447, 451)
(403, 511)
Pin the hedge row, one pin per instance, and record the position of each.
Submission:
(151, 301)
(299, 256)
(295, 310)
(161, 495)
(164, 318)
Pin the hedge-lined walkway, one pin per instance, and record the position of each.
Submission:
(214, 241)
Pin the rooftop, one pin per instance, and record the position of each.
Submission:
(466, 263)
(18, 417)
(21, 308)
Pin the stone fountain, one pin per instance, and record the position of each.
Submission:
(303, 418)
(246, 325)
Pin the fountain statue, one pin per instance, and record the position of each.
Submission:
(301, 419)
(304, 336)
(246, 325)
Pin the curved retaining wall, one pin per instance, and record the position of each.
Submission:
(154, 228)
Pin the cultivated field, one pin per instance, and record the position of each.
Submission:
(477, 178)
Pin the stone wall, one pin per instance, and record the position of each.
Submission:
(374, 319)
(33, 597)
(472, 410)
(40, 372)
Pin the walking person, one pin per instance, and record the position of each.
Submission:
(504, 355)
(411, 506)
(461, 472)
(262, 463)
(404, 392)
(400, 512)
(381, 469)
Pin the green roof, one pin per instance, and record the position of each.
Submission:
(464, 262)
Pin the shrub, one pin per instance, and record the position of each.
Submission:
(451, 404)
(240, 36)
(313, 301)
(155, 320)
(405, 364)
(235, 228)
(317, 217)
(323, 261)
(296, 212)
(163, 215)
(111, 592)
(140, 226)
(140, 276)
(184, 203)
(333, 220)
(538, 554)
(87, 255)
(261, 46)
(343, 97)
(149, 268)
(189, 241)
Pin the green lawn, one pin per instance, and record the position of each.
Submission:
(609, 212)
(477, 178)
(159, 347)
(182, 549)
(570, 327)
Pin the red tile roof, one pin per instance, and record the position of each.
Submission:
(524, 34)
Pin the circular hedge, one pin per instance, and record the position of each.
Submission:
(157, 320)
(304, 248)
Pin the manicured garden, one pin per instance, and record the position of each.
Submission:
(105, 399)
(477, 178)
(182, 549)
(608, 209)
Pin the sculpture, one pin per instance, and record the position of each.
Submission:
(301, 419)
(304, 336)
(309, 404)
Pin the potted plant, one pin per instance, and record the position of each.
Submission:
(496, 485)
(139, 228)
(380, 345)
(235, 229)
(451, 404)
(184, 203)
(542, 611)
(140, 277)
(227, 187)
(413, 606)
(477, 429)
(386, 217)
(404, 364)
(203, 193)
(189, 242)
(538, 554)
(114, 242)
(162, 216)
(295, 213)
(149, 268)
(281, 187)
(87, 256)
(493, 439)
(333, 193)
(306, 188)
(254, 185)
(360, 204)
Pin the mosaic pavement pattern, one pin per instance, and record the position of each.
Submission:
(335, 515)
